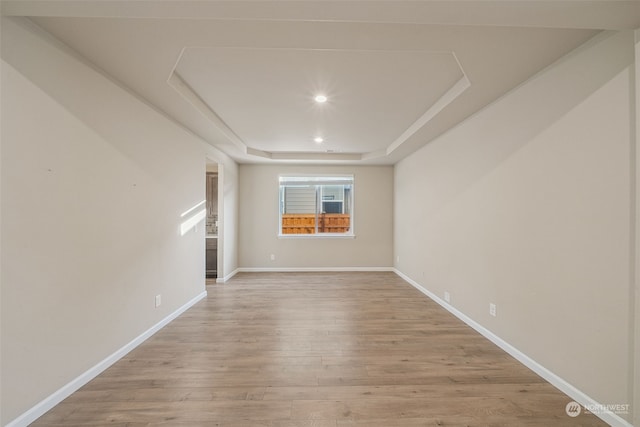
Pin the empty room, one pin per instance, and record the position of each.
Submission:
(320, 213)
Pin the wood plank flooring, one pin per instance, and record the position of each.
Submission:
(316, 350)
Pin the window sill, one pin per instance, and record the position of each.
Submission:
(317, 236)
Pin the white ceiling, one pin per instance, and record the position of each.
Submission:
(242, 74)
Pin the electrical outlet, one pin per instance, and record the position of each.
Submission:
(492, 309)
(158, 300)
(273, 257)
(398, 258)
(447, 297)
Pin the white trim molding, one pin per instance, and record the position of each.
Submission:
(310, 269)
(227, 277)
(555, 380)
(65, 391)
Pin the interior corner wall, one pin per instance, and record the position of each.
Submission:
(528, 205)
(1, 67)
(372, 247)
(636, 293)
(94, 183)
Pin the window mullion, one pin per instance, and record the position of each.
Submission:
(318, 206)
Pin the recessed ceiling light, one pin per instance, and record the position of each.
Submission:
(320, 99)
(318, 139)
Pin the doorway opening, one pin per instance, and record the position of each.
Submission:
(212, 223)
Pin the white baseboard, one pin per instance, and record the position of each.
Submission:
(227, 277)
(48, 403)
(309, 269)
(562, 385)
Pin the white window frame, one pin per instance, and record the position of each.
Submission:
(317, 180)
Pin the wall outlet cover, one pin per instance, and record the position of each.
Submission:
(492, 309)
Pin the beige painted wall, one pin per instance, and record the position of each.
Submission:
(528, 205)
(258, 226)
(1, 186)
(93, 186)
(636, 321)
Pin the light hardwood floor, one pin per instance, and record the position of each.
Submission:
(316, 350)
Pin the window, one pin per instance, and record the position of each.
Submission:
(316, 205)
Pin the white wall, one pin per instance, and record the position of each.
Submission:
(528, 205)
(93, 186)
(373, 221)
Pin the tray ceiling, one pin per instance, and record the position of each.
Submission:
(242, 75)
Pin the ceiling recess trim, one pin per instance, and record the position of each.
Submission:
(183, 88)
(450, 95)
(177, 83)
